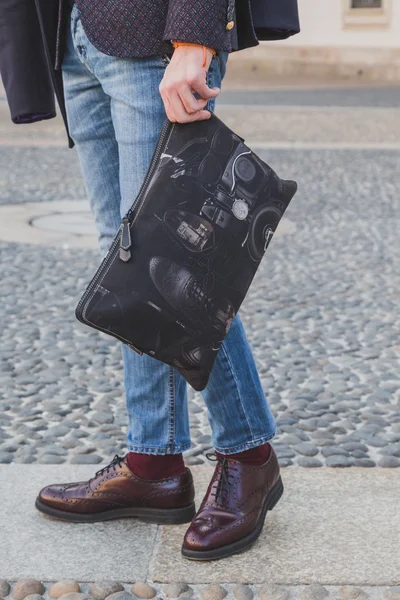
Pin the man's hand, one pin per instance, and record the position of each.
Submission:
(184, 76)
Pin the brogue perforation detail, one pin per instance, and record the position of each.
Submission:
(259, 490)
(222, 528)
(116, 490)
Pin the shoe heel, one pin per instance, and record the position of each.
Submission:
(171, 516)
(183, 515)
(275, 494)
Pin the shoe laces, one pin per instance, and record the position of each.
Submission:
(117, 460)
(221, 492)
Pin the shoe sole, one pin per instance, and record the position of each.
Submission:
(169, 516)
(243, 544)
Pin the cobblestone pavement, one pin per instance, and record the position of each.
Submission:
(69, 589)
(322, 316)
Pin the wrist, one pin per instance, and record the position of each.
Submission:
(207, 52)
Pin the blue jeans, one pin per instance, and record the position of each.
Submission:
(115, 113)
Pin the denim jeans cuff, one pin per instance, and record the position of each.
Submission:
(247, 445)
(158, 451)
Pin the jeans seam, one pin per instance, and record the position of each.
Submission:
(247, 445)
(237, 388)
(158, 450)
(172, 432)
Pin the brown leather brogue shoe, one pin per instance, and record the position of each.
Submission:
(232, 514)
(115, 492)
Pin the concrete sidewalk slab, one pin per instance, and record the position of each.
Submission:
(333, 527)
(36, 546)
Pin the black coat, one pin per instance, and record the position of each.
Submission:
(31, 50)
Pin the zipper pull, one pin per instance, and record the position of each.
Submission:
(125, 241)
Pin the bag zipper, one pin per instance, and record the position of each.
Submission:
(123, 237)
(125, 241)
(136, 207)
(138, 203)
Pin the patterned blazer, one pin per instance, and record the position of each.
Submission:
(135, 28)
(32, 32)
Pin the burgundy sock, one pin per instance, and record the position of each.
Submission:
(150, 466)
(254, 457)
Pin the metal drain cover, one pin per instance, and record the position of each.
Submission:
(77, 223)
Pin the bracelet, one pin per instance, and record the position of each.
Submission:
(205, 48)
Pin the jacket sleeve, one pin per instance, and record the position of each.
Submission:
(207, 22)
(228, 25)
(275, 19)
(23, 66)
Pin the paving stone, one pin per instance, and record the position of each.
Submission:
(25, 587)
(309, 462)
(121, 596)
(359, 454)
(389, 462)
(57, 431)
(334, 450)
(213, 591)
(75, 596)
(102, 589)
(392, 593)
(283, 452)
(274, 592)
(285, 462)
(363, 462)
(351, 592)
(175, 590)
(243, 592)
(143, 590)
(338, 461)
(51, 459)
(306, 449)
(352, 446)
(9, 448)
(314, 591)
(63, 587)
(102, 417)
(375, 442)
(6, 457)
(4, 588)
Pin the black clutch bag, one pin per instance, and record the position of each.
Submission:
(188, 249)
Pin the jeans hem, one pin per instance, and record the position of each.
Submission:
(247, 445)
(157, 451)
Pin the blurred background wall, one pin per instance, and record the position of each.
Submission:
(352, 39)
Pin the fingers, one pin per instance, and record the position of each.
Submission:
(200, 86)
(178, 113)
(189, 101)
(184, 88)
(182, 106)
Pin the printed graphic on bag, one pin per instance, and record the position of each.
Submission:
(186, 253)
